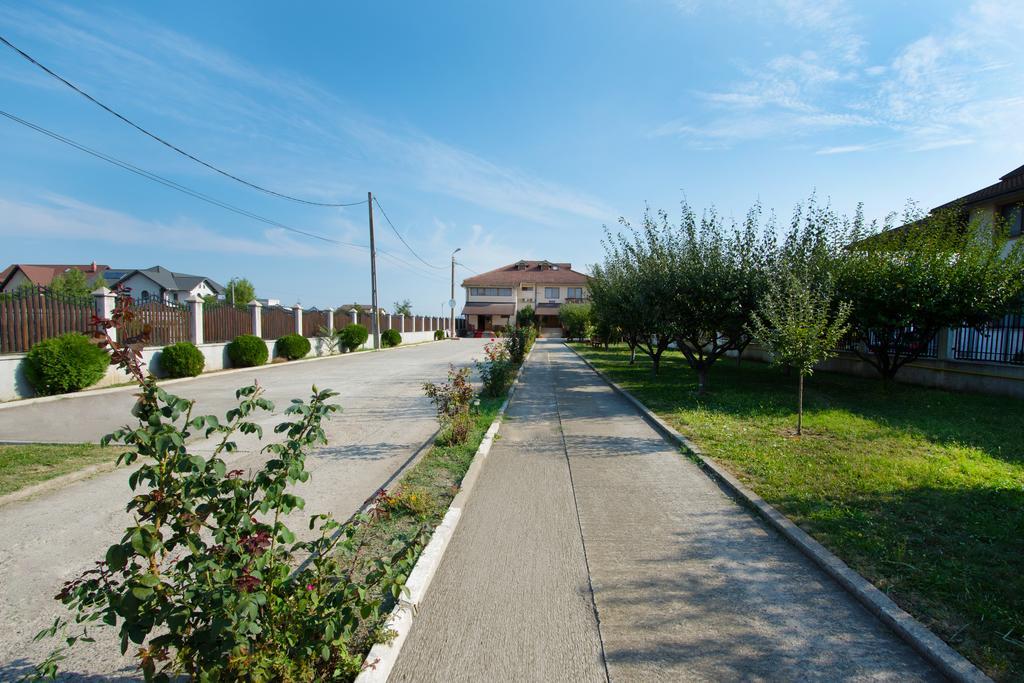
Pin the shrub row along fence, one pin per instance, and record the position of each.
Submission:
(27, 317)
(30, 316)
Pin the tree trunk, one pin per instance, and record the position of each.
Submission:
(800, 407)
(632, 354)
(702, 379)
(656, 363)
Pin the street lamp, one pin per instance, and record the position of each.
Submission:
(451, 302)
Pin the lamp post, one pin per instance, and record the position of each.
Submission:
(451, 302)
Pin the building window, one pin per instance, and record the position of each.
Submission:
(551, 292)
(574, 293)
(1012, 215)
(490, 291)
(527, 289)
(145, 295)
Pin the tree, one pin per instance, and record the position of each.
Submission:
(403, 308)
(74, 283)
(575, 319)
(240, 292)
(906, 285)
(525, 317)
(799, 326)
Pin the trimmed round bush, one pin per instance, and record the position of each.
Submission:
(438, 335)
(247, 350)
(353, 336)
(390, 338)
(182, 360)
(70, 362)
(293, 346)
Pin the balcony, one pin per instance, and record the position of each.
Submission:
(576, 300)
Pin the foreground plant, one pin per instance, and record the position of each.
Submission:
(205, 582)
(453, 400)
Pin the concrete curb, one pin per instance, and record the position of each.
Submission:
(381, 659)
(932, 648)
(129, 386)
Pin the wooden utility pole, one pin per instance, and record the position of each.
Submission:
(373, 277)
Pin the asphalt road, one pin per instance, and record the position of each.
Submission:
(591, 550)
(52, 538)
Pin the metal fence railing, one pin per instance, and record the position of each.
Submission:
(1002, 341)
(905, 343)
(29, 315)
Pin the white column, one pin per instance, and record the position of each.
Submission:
(195, 320)
(330, 320)
(105, 301)
(355, 316)
(297, 314)
(256, 311)
(945, 339)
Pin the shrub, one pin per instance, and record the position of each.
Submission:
(182, 360)
(575, 318)
(247, 350)
(520, 341)
(70, 362)
(293, 346)
(438, 335)
(413, 500)
(525, 317)
(353, 336)
(452, 399)
(497, 371)
(392, 338)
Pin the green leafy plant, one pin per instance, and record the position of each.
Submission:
(799, 327)
(75, 284)
(352, 336)
(293, 346)
(247, 351)
(520, 341)
(208, 581)
(497, 369)
(239, 292)
(453, 400)
(575, 318)
(403, 307)
(390, 338)
(70, 362)
(526, 317)
(183, 359)
(438, 335)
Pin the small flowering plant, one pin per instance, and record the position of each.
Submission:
(452, 400)
(208, 581)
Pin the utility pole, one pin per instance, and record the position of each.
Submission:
(451, 302)
(373, 276)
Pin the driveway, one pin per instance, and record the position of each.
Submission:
(52, 538)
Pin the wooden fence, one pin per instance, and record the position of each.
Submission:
(277, 322)
(222, 322)
(168, 322)
(312, 321)
(29, 316)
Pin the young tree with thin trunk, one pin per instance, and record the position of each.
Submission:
(800, 326)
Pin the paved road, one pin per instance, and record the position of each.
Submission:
(52, 538)
(591, 550)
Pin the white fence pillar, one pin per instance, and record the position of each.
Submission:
(330, 321)
(256, 312)
(945, 341)
(195, 320)
(105, 301)
(355, 316)
(297, 314)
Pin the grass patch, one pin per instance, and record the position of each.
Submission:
(919, 490)
(22, 465)
(420, 499)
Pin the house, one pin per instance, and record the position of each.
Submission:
(1004, 198)
(165, 285)
(41, 275)
(493, 298)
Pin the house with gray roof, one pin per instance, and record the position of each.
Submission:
(166, 285)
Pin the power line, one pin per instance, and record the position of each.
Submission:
(149, 175)
(411, 250)
(460, 263)
(164, 142)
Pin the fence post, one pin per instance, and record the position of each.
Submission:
(257, 317)
(105, 301)
(330, 320)
(355, 316)
(195, 320)
(297, 314)
(944, 341)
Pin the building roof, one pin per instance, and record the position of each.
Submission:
(43, 274)
(175, 282)
(482, 308)
(1012, 182)
(514, 274)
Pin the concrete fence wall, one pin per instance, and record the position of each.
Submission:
(414, 329)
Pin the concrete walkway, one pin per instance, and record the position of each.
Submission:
(54, 537)
(592, 550)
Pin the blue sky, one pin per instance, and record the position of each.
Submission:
(511, 130)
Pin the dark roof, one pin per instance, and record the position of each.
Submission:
(483, 308)
(172, 281)
(540, 272)
(1012, 182)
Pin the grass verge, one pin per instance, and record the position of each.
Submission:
(22, 465)
(419, 499)
(919, 490)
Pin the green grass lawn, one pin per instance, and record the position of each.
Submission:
(24, 465)
(920, 490)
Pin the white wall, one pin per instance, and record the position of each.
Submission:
(139, 283)
(17, 279)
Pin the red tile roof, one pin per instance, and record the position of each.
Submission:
(540, 272)
(43, 274)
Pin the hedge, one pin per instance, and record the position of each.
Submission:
(353, 336)
(293, 346)
(247, 351)
(390, 338)
(70, 362)
(182, 360)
